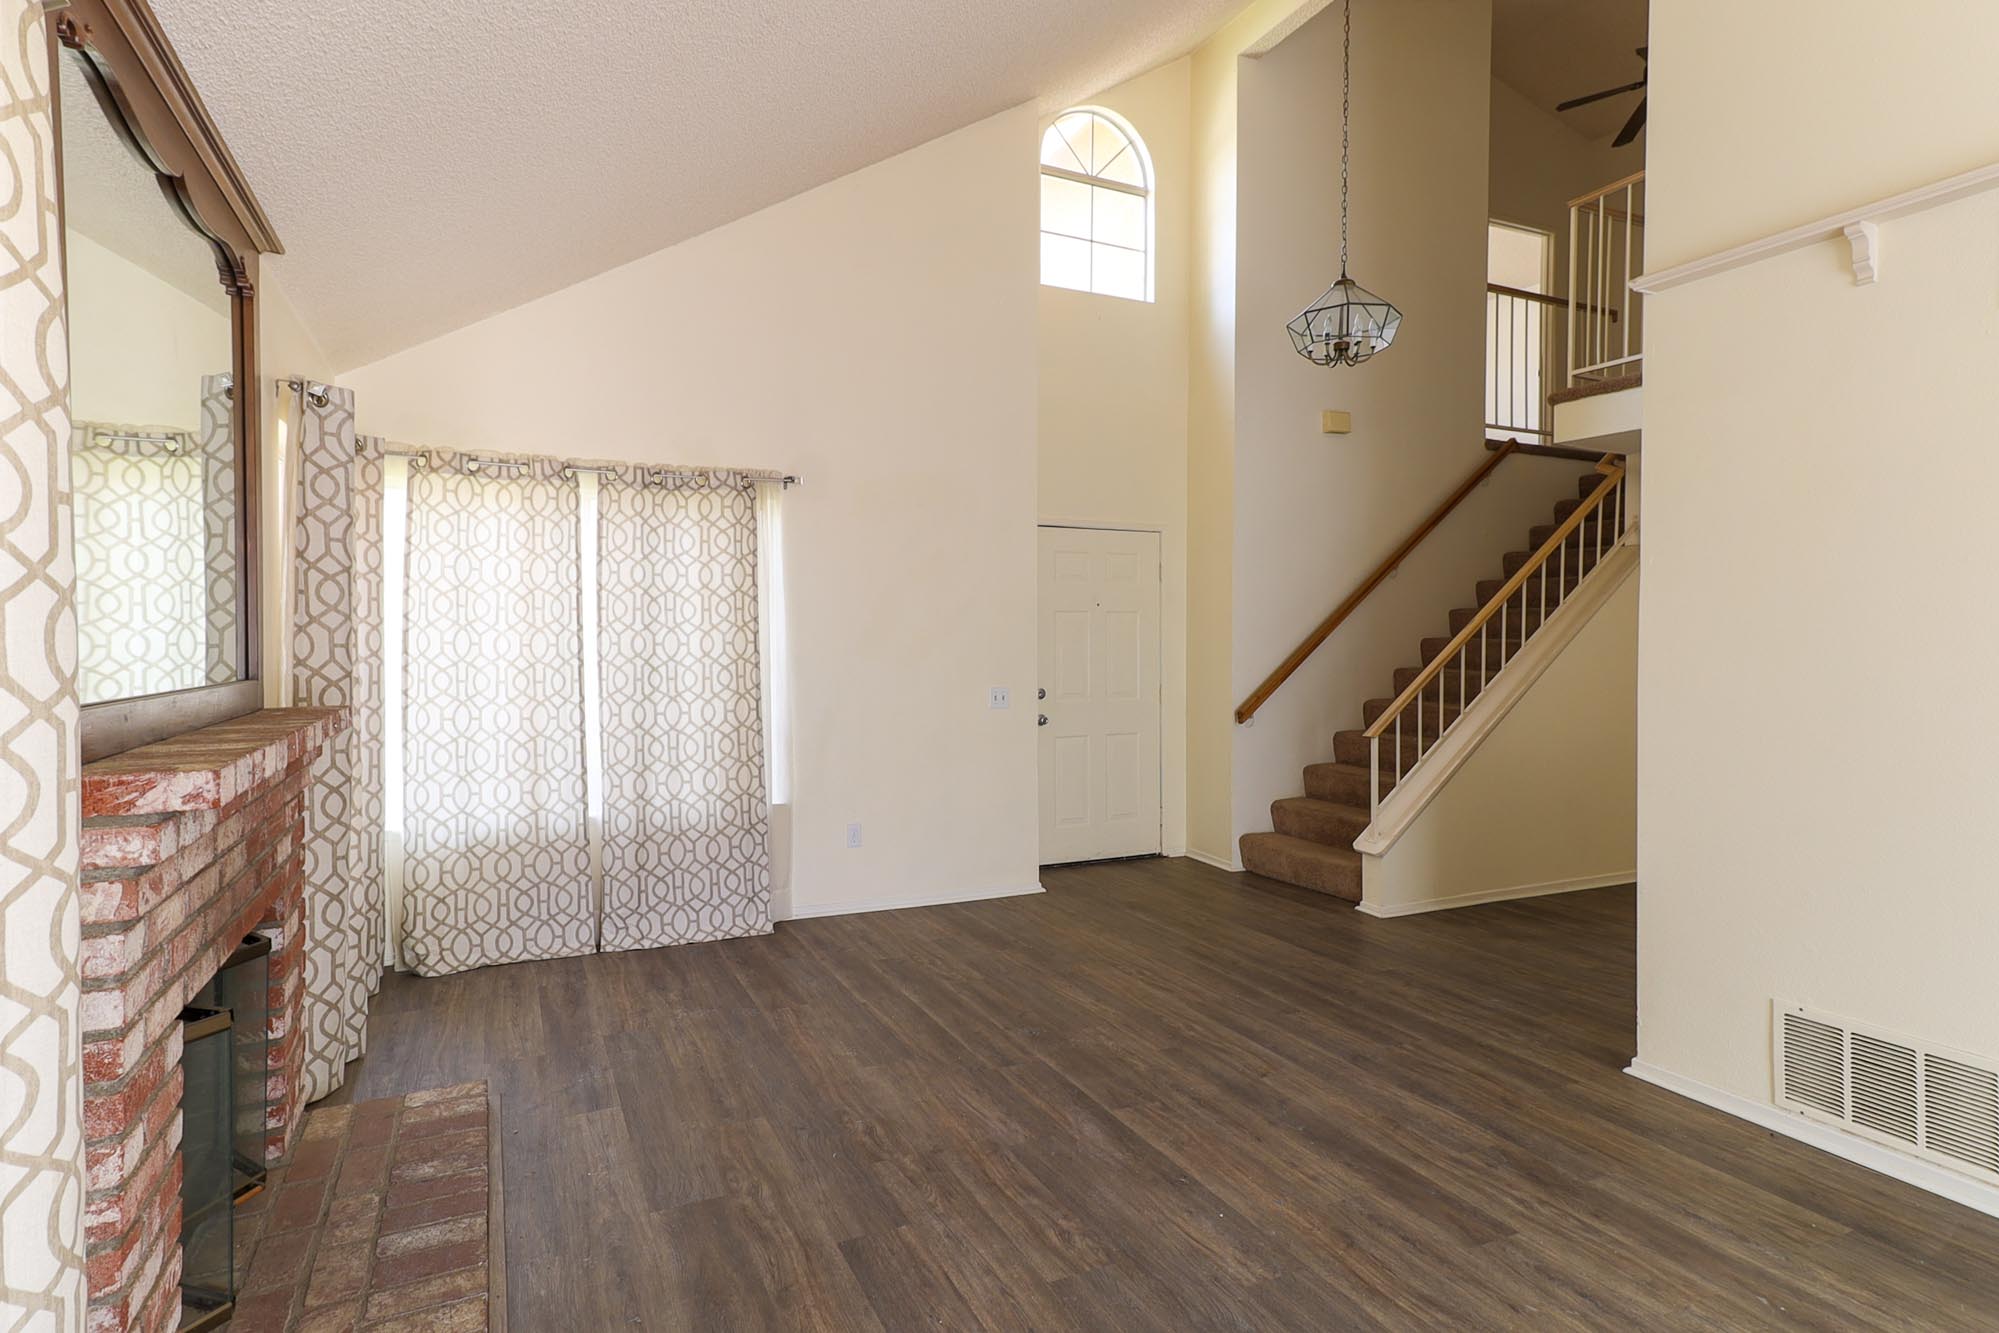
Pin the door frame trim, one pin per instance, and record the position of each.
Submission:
(1159, 699)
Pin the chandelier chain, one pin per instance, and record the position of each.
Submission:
(1346, 122)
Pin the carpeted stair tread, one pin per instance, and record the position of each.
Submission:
(1572, 563)
(1433, 711)
(1352, 747)
(1333, 823)
(1343, 784)
(1309, 865)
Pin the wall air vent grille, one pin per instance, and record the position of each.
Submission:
(1814, 1065)
(1923, 1098)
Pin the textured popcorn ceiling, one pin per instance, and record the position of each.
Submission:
(428, 164)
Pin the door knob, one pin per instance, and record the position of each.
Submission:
(1041, 719)
(1041, 694)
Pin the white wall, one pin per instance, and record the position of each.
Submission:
(1538, 164)
(139, 346)
(286, 349)
(1815, 747)
(877, 337)
(1549, 801)
(1313, 513)
(1113, 405)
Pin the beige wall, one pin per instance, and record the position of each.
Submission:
(1783, 111)
(1538, 164)
(1815, 751)
(1549, 801)
(139, 346)
(1113, 406)
(286, 349)
(877, 337)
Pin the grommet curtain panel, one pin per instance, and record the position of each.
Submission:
(686, 824)
(140, 544)
(335, 643)
(496, 854)
(42, 1179)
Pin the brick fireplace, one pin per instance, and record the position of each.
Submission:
(188, 844)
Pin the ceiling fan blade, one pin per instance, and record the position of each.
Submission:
(1631, 127)
(1598, 97)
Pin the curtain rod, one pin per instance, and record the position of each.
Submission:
(422, 458)
(174, 442)
(315, 392)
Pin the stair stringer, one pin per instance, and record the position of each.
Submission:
(1421, 784)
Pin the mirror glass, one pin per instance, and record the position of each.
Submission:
(155, 468)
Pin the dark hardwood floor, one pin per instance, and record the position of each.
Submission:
(1156, 1097)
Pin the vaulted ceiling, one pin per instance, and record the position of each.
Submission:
(428, 164)
(1552, 50)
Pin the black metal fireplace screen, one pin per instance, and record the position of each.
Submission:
(225, 1103)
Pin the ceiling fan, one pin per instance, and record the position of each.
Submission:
(1637, 121)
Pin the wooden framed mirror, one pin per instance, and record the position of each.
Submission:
(161, 244)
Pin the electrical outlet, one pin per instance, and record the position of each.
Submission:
(853, 835)
(1001, 698)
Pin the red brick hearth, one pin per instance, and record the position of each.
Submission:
(188, 845)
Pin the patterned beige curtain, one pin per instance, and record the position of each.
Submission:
(41, 1054)
(141, 540)
(217, 443)
(336, 573)
(496, 860)
(686, 824)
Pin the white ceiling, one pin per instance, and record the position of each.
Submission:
(428, 164)
(1552, 50)
(116, 200)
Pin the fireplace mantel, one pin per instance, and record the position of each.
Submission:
(188, 844)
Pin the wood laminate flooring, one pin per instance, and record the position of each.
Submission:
(1155, 1097)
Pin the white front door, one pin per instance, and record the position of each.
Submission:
(1099, 688)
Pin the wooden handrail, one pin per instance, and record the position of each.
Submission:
(1561, 451)
(1601, 191)
(1261, 694)
(1613, 473)
(1520, 293)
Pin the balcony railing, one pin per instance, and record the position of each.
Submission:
(1606, 251)
(1522, 348)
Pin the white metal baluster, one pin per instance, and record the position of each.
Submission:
(1624, 297)
(1373, 776)
(1569, 333)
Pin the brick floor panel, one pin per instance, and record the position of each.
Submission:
(379, 1223)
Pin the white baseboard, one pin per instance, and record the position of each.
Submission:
(1827, 1138)
(1500, 895)
(1233, 867)
(800, 912)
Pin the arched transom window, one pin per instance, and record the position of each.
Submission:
(1096, 206)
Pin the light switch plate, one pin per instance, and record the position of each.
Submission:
(853, 835)
(1001, 697)
(1335, 423)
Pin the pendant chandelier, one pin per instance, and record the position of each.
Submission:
(1349, 323)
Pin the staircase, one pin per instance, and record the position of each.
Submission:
(1311, 844)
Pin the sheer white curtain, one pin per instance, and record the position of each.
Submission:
(686, 815)
(496, 864)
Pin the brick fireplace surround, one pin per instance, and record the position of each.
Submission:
(188, 845)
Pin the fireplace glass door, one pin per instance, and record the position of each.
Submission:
(243, 988)
(207, 1187)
